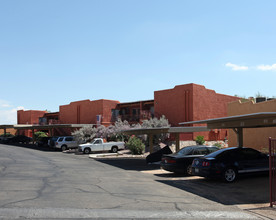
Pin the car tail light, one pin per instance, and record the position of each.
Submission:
(169, 161)
(205, 164)
(56, 143)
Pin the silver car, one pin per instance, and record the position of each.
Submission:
(66, 142)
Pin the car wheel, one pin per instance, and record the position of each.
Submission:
(189, 169)
(86, 150)
(230, 175)
(63, 148)
(114, 149)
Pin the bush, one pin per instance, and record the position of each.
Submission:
(135, 145)
(218, 145)
(200, 140)
(39, 134)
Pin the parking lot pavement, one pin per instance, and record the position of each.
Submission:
(48, 184)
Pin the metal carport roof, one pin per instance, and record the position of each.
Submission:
(238, 122)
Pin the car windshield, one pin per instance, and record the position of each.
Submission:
(185, 151)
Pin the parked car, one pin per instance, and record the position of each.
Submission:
(229, 163)
(157, 156)
(66, 142)
(43, 142)
(52, 141)
(98, 144)
(181, 161)
(20, 139)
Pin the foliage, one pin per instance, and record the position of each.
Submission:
(7, 135)
(39, 134)
(218, 145)
(135, 145)
(85, 134)
(157, 123)
(200, 140)
(114, 132)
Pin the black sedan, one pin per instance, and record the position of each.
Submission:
(181, 161)
(228, 163)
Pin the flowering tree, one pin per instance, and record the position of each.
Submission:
(89, 132)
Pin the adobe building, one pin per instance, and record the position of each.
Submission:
(192, 102)
(252, 137)
(30, 117)
(182, 103)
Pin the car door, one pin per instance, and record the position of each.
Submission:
(98, 145)
(253, 161)
(69, 142)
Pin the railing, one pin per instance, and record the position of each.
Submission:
(272, 171)
(53, 122)
(133, 118)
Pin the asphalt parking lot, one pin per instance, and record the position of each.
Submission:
(75, 175)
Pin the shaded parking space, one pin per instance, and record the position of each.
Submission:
(246, 190)
(138, 164)
(30, 146)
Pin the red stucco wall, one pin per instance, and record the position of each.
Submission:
(84, 112)
(28, 117)
(192, 102)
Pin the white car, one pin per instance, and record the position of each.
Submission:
(98, 144)
(66, 142)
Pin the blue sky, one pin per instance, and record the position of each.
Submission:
(53, 52)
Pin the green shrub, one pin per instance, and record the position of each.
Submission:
(135, 145)
(39, 134)
(200, 140)
(218, 145)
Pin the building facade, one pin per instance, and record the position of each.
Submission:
(182, 103)
(252, 137)
(192, 102)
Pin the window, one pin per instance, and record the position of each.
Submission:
(212, 149)
(185, 151)
(69, 139)
(98, 142)
(200, 151)
(60, 139)
(250, 154)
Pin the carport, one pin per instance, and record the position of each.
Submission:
(238, 123)
(172, 130)
(43, 127)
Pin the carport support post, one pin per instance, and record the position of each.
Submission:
(33, 135)
(151, 143)
(239, 132)
(177, 142)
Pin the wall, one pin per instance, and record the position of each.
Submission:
(192, 102)
(253, 137)
(28, 117)
(208, 104)
(84, 112)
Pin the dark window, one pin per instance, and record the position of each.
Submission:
(98, 142)
(212, 149)
(186, 151)
(200, 151)
(250, 154)
(69, 139)
(60, 139)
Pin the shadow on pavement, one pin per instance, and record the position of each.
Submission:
(246, 190)
(30, 146)
(138, 164)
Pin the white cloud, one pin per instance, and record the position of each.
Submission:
(236, 67)
(4, 104)
(267, 67)
(8, 115)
